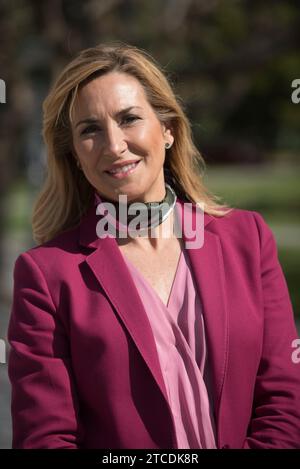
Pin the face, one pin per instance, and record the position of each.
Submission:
(113, 123)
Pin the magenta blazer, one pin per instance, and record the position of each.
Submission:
(83, 363)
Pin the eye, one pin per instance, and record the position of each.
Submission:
(129, 119)
(90, 129)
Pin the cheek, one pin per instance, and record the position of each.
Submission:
(84, 147)
(150, 137)
(157, 145)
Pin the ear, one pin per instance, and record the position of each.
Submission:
(168, 133)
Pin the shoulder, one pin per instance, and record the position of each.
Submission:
(244, 219)
(244, 227)
(236, 221)
(51, 256)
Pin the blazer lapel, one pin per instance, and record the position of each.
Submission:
(208, 269)
(110, 269)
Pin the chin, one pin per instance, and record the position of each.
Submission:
(133, 194)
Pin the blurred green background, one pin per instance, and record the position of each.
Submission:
(231, 63)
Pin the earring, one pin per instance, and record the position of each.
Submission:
(78, 165)
(168, 145)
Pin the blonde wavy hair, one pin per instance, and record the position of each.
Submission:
(66, 193)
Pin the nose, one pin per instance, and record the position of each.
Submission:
(114, 141)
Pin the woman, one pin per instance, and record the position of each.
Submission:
(158, 336)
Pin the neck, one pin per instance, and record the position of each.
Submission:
(151, 225)
(155, 239)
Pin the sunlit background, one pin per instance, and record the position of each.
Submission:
(231, 62)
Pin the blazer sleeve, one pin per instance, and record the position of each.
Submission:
(44, 402)
(276, 410)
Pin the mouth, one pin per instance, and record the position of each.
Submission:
(123, 171)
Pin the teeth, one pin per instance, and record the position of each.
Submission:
(124, 169)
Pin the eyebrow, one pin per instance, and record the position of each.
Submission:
(93, 120)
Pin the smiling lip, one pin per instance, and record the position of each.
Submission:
(122, 173)
(120, 165)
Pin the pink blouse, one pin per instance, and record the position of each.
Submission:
(179, 334)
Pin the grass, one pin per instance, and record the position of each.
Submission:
(273, 190)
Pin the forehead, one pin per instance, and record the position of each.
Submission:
(110, 93)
